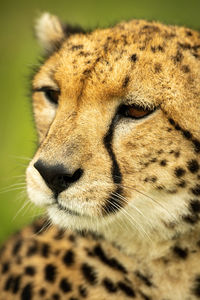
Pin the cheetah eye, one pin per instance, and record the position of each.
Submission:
(50, 94)
(134, 111)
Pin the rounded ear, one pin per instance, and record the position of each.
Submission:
(49, 32)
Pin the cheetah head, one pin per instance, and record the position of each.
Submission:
(117, 112)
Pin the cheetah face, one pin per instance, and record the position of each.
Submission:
(117, 114)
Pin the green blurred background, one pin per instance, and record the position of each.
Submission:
(19, 53)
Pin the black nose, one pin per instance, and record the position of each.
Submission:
(56, 176)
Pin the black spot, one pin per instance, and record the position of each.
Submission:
(32, 249)
(182, 184)
(185, 69)
(89, 273)
(160, 48)
(42, 291)
(195, 206)
(83, 291)
(109, 285)
(45, 250)
(163, 162)
(59, 235)
(197, 145)
(50, 272)
(196, 287)
(172, 191)
(29, 270)
(153, 179)
(187, 134)
(171, 121)
(86, 72)
(196, 190)
(177, 153)
(8, 283)
(155, 49)
(153, 160)
(160, 187)
(178, 57)
(5, 267)
(111, 262)
(17, 247)
(180, 252)
(188, 33)
(89, 252)
(56, 297)
(195, 55)
(160, 151)
(126, 81)
(191, 219)
(65, 285)
(68, 258)
(126, 289)
(144, 278)
(26, 293)
(76, 47)
(72, 238)
(193, 166)
(82, 53)
(73, 298)
(133, 57)
(179, 172)
(157, 68)
(16, 284)
(144, 296)
(185, 46)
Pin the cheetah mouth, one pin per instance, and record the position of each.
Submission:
(67, 210)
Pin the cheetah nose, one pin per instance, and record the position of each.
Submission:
(56, 176)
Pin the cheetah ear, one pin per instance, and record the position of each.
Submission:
(49, 32)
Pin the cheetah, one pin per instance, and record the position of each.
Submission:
(117, 168)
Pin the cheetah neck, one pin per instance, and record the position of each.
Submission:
(156, 245)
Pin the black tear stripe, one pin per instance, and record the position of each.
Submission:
(113, 203)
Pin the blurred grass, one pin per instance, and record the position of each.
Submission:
(19, 51)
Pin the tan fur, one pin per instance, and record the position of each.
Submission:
(155, 233)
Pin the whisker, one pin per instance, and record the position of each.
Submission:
(47, 224)
(134, 207)
(130, 218)
(19, 176)
(21, 157)
(128, 202)
(13, 185)
(149, 197)
(14, 189)
(21, 208)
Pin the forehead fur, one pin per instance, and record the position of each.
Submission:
(148, 61)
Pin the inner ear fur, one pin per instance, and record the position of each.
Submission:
(50, 32)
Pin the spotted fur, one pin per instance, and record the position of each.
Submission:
(123, 193)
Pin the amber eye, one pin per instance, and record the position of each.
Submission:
(50, 94)
(134, 111)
